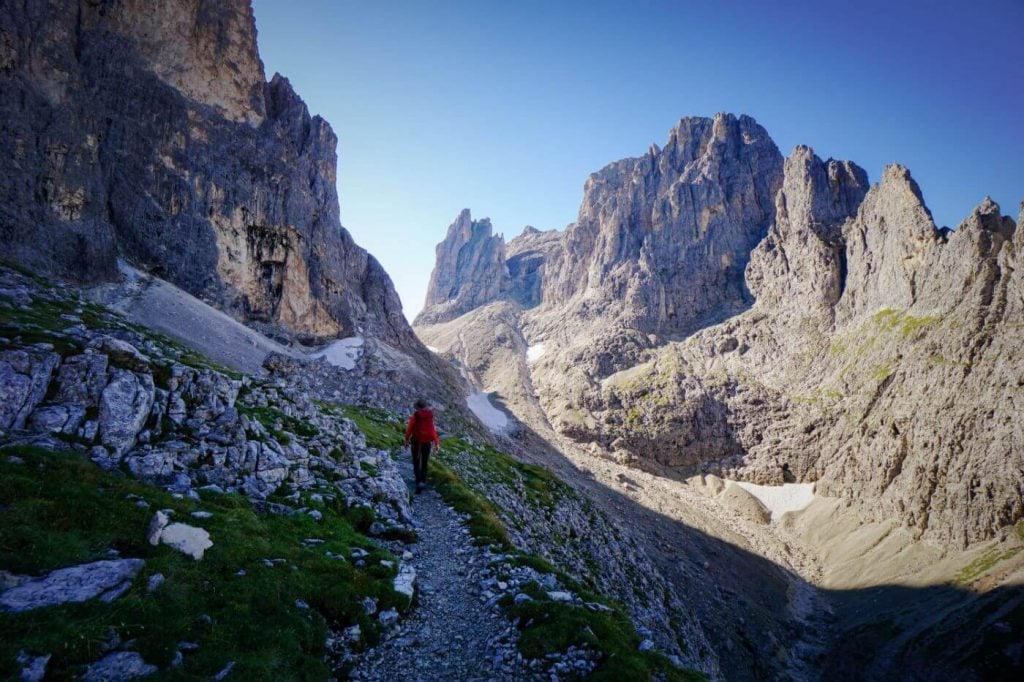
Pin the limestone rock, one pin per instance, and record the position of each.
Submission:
(124, 408)
(103, 579)
(801, 263)
(120, 665)
(186, 539)
(721, 313)
(120, 353)
(24, 377)
(405, 581)
(152, 133)
(470, 270)
(33, 668)
(662, 240)
(57, 419)
(81, 379)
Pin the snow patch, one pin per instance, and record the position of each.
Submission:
(342, 353)
(780, 499)
(533, 353)
(432, 349)
(493, 418)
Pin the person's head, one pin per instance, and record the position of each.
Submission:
(420, 404)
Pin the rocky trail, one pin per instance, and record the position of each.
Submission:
(455, 630)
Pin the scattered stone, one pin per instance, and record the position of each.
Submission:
(33, 668)
(560, 595)
(388, 618)
(155, 581)
(187, 539)
(646, 645)
(300, 604)
(405, 581)
(80, 583)
(202, 515)
(369, 606)
(224, 672)
(120, 665)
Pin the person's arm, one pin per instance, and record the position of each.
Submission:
(408, 430)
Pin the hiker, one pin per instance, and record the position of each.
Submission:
(421, 434)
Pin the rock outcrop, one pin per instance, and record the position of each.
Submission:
(150, 132)
(470, 271)
(661, 241)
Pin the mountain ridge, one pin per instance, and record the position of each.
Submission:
(839, 264)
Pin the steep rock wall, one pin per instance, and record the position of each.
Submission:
(148, 131)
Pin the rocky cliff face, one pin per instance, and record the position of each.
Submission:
(661, 241)
(880, 356)
(475, 267)
(149, 132)
(470, 270)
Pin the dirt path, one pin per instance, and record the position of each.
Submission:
(450, 634)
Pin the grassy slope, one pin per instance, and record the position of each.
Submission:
(60, 510)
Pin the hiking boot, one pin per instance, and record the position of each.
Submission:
(419, 488)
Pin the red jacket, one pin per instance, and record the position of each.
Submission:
(421, 428)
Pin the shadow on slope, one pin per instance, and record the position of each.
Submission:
(746, 602)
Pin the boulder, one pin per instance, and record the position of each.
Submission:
(57, 418)
(81, 379)
(104, 579)
(124, 407)
(24, 377)
(120, 665)
(121, 353)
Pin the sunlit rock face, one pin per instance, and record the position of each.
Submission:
(716, 309)
(662, 240)
(149, 131)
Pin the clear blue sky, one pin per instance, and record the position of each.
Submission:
(507, 107)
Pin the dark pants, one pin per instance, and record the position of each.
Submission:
(420, 458)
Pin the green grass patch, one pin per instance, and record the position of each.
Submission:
(547, 627)
(983, 563)
(58, 509)
(484, 523)
(382, 429)
(539, 485)
(276, 422)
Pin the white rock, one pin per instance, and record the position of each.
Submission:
(388, 618)
(405, 581)
(559, 595)
(187, 539)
